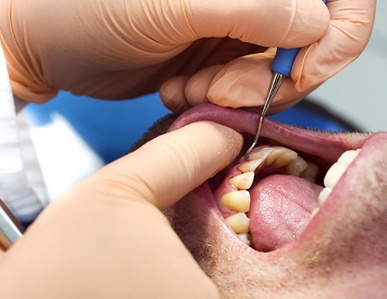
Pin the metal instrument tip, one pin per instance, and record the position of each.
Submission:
(275, 84)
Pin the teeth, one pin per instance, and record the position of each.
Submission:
(322, 197)
(261, 153)
(276, 155)
(281, 156)
(337, 169)
(347, 157)
(243, 181)
(250, 166)
(239, 223)
(245, 238)
(314, 212)
(311, 172)
(237, 200)
(335, 172)
(296, 167)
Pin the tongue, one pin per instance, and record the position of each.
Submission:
(280, 210)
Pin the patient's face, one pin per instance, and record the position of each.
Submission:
(279, 225)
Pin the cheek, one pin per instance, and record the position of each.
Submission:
(217, 251)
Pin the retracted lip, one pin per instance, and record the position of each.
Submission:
(328, 147)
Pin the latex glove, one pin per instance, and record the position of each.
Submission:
(122, 49)
(245, 81)
(106, 238)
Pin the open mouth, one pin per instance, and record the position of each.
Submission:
(291, 176)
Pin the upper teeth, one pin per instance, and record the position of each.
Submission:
(276, 155)
(310, 172)
(239, 222)
(296, 166)
(335, 172)
(251, 165)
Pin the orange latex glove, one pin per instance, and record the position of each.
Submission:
(106, 238)
(123, 49)
(245, 81)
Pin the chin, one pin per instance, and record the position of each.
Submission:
(305, 216)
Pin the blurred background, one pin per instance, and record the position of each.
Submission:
(74, 136)
(359, 92)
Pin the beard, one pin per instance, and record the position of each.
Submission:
(316, 219)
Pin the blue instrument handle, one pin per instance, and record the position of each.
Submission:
(284, 58)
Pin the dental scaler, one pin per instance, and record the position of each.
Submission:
(281, 67)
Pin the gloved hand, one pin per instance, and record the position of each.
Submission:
(122, 49)
(245, 81)
(107, 237)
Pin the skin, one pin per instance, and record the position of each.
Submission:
(102, 52)
(82, 244)
(106, 237)
(342, 253)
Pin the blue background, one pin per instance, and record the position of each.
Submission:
(112, 127)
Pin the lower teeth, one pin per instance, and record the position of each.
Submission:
(335, 172)
(239, 201)
(245, 238)
(239, 222)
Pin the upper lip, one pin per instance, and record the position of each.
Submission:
(329, 147)
(326, 146)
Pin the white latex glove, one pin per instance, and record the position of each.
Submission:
(245, 81)
(106, 238)
(123, 49)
